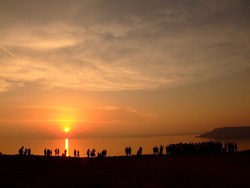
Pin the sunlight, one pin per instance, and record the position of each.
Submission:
(67, 147)
(66, 124)
(66, 129)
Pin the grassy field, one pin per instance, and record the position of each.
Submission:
(220, 170)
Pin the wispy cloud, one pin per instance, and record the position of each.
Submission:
(133, 45)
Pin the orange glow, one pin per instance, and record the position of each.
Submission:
(67, 146)
(66, 129)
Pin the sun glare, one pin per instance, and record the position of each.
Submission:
(66, 129)
(67, 147)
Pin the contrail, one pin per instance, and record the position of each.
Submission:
(8, 52)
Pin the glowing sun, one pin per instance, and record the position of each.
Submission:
(66, 129)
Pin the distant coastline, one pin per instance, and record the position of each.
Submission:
(228, 133)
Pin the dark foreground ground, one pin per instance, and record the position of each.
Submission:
(221, 170)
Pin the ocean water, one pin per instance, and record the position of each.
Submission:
(114, 145)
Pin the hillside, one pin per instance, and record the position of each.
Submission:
(228, 133)
(206, 171)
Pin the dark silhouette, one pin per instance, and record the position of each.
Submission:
(128, 151)
(230, 147)
(57, 152)
(92, 154)
(74, 152)
(45, 152)
(102, 154)
(139, 151)
(48, 152)
(155, 150)
(78, 153)
(29, 152)
(25, 151)
(200, 148)
(88, 153)
(65, 152)
(20, 151)
(235, 147)
(161, 150)
(228, 133)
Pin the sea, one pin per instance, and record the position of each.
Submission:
(115, 146)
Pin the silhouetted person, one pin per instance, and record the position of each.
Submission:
(139, 152)
(29, 152)
(20, 151)
(167, 153)
(225, 147)
(25, 151)
(78, 153)
(161, 150)
(155, 150)
(92, 154)
(126, 151)
(45, 152)
(235, 147)
(140, 149)
(104, 153)
(56, 152)
(74, 152)
(88, 153)
(65, 152)
(129, 151)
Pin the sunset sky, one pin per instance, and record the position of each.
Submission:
(123, 67)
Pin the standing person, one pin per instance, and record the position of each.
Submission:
(56, 152)
(235, 147)
(161, 150)
(45, 152)
(29, 152)
(129, 151)
(21, 151)
(88, 153)
(126, 151)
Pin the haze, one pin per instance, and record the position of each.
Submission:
(116, 67)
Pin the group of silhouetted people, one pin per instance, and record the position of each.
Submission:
(230, 147)
(76, 153)
(171, 149)
(128, 151)
(102, 154)
(57, 152)
(158, 151)
(47, 152)
(24, 151)
(200, 148)
(90, 153)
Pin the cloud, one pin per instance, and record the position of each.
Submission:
(121, 45)
(4, 86)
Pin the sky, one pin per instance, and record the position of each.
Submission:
(121, 68)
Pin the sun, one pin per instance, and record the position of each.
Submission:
(66, 129)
